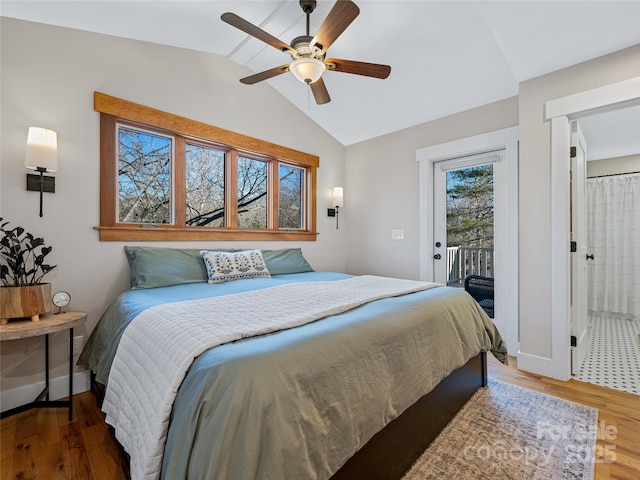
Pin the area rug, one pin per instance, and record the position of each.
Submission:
(510, 432)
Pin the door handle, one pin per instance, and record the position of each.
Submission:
(437, 256)
(589, 256)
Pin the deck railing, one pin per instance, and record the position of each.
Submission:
(464, 261)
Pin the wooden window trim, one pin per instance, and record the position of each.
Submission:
(112, 109)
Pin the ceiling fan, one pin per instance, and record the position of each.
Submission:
(308, 53)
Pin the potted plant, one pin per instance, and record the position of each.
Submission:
(23, 294)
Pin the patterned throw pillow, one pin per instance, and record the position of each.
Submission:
(225, 266)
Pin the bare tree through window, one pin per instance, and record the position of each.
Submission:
(144, 177)
(252, 193)
(145, 184)
(290, 201)
(204, 186)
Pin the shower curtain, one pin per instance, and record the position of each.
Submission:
(613, 230)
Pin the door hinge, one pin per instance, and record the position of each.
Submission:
(574, 247)
(573, 152)
(574, 341)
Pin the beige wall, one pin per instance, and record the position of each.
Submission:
(48, 78)
(381, 192)
(535, 185)
(613, 166)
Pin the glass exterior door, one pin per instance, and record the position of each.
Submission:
(464, 220)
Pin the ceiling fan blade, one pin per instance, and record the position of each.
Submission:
(267, 74)
(241, 24)
(358, 68)
(320, 92)
(340, 17)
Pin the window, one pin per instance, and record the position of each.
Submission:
(291, 200)
(204, 186)
(252, 193)
(144, 176)
(165, 177)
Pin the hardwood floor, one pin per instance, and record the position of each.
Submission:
(43, 444)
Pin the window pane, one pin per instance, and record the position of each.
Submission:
(252, 193)
(204, 186)
(470, 197)
(144, 177)
(290, 199)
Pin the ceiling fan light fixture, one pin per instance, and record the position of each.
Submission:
(307, 69)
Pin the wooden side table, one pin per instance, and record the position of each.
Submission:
(46, 325)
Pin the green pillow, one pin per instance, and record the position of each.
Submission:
(153, 267)
(289, 260)
(161, 267)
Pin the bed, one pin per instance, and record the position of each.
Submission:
(358, 393)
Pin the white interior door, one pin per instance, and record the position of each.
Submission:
(579, 312)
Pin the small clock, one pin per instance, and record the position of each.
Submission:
(61, 299)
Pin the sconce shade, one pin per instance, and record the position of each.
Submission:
(42, 150)
(338, 197)
(306, 69)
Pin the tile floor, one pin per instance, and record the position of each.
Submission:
(613, 359)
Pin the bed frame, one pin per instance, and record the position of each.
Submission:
(393, 450)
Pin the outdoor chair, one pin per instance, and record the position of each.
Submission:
(481, 289)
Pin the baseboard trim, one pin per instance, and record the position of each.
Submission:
(58, 388)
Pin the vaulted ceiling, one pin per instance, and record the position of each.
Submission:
(446, 56)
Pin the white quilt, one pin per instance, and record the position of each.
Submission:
(159, 345)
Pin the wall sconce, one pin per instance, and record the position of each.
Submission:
(42, 156)
(338, 201)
